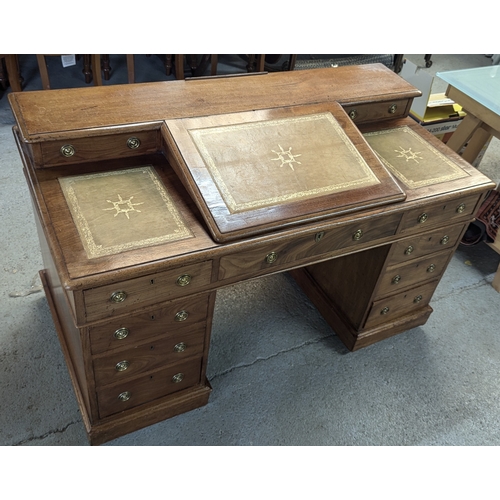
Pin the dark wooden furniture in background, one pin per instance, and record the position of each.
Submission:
(134, 324)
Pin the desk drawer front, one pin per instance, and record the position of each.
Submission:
(363, 113)
(273, 257)
(156, 384)
(385, 310)
(420, 245)
(416, 271)
(124, 297)
(122, 365)
(98, 148)
(178, 316)
(442, 213)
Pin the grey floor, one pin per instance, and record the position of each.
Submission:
(280, 376)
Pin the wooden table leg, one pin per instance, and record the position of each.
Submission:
(476, 144)
(464, 132)
(11, 63)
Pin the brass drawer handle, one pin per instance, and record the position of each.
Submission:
(181, 316)
(417, 299)
(409, 250)
(422, 218)
(124, 396)
(180, 347)
(178, 377)
(271, 257)
(431, 268)
(385, 310)
(444, 240)
(118, 297)
(461, 208)
(133, 143)
(393, 108)
(396, 279)
(121, 333)
(357, 235)
(67, 150)
(353, 114)
(183, 280)
(121, 366)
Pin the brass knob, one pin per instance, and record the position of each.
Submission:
(121, 333)
(133, 143)
(385, 310)
(422, 218)
(124, 396)
(122, 366)
(461, 208)
(431, 268)
(357, 235)
(271, 257)
(353, 114)
(417, 299)
(396, 279)
(178, 377)
(181, 316)
(409, 250)
(183, 280)
(118, 297)
(393, 108)
(180, 347)
(444, 239)
(67, 150)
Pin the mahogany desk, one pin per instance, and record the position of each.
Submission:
(367, 231)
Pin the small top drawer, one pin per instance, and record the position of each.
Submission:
(440, 213)
(126, 296)
(107, 147)
(271, 257)
(369, 112)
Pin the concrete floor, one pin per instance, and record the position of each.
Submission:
(280, 376)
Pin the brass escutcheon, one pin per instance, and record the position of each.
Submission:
(431, 268)
(417, 299)
(121, 366)
(271, 257)
(181, 316)
(461, 208)
(183, 280)
(121, 333)
(353, 114)
(396, 279)
(180, 347)
(357, 235)
(444, 239)
(118, 297)
(393, 108)
(409, 250)
(385, 310)
(124, 396)
(133, 143)
(422, 218)
(319, 236)
(178, 377)
(67, 150)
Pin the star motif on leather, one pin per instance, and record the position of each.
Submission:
(408, 154)
(286, 157)
(123, 206)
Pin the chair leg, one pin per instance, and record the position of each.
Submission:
(44, 74)
(95, 64)
(214, 60)
(261, 60)
(130, 68)
(12, 64)
(179, 66)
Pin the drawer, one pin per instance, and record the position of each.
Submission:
(151, 386)
(126, 296)
(416, 271)
(439, 213)
(385, 310)
(271, 257)
(368, 112)
(424, 244)
(178, 316)
(176, 347)
(98, 148)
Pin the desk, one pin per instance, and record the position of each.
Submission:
(134, 320)
(477, 90)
